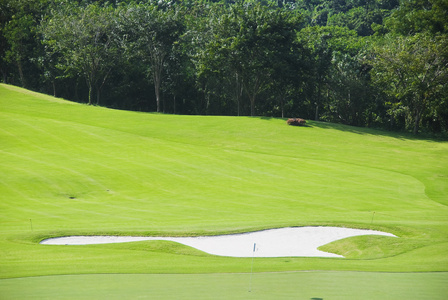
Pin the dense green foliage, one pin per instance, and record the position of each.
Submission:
(329, 60)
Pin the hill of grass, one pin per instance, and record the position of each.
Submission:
(68, 168)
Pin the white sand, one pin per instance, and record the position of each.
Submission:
(282, 242)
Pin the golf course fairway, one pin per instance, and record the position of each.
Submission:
(72, 169)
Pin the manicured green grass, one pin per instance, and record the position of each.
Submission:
(295, 285)
(68, 168)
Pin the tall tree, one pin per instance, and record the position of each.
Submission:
(414, 70)
(350, 101)
(151, 31)
(321, 43)
(83, 36)
(20, 45)
(254, 40)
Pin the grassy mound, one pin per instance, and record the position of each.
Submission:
(68, 168)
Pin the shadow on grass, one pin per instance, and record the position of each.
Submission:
(366, 131)
(373, 131)
(383, 132)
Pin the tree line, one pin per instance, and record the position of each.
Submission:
(373, 63)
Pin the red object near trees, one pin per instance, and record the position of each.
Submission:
(296, 122)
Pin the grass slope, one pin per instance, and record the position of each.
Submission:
(68, 168)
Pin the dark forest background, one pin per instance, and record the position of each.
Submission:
(370, 63)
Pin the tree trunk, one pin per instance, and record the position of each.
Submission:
(252, 105)
(98, 94)
(22, 77)
(157, 89)
(316, 117)
(281, 96)
(54, 88)
(5, 77)
(418, 116)
(239, 93)
(76, 91)
(240, 96)
(157, 60)
(90, 92)
(158, 99)
(283, 107)
(207, 103)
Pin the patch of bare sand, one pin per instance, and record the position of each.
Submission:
(281, 242)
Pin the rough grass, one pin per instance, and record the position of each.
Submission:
(68, 168)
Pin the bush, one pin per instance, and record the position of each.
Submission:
(296, 122)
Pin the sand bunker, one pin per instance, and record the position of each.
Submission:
(282, 242)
